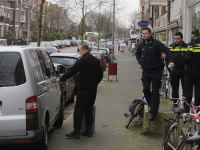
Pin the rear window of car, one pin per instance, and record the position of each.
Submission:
(11, 69)
(97, 56)
(67, 61)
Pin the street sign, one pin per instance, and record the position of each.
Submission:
(143, 23)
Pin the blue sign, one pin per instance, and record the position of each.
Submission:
(143, 23)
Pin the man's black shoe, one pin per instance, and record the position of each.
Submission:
(87, 133)
(75, 135)
(152, 117)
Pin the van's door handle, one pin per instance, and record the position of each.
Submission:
(0, 102)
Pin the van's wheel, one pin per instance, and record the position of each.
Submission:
(59, 120)
(71, 100)
(43, 143)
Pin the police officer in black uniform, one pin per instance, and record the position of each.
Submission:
(192, 58)
(90, 75)
(149, 57)
(178, 50)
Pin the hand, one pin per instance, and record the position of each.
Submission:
(171, 64)
(58, 80)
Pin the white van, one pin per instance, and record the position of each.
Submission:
(30, 99)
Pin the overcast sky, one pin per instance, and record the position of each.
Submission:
(129, 7)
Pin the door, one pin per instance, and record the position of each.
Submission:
(52, 87)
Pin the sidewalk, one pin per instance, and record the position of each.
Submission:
(113, 100)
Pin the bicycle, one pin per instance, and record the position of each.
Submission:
(170, 136)
(165, 84)
(136, 108)
(171, 132)
(191, 141)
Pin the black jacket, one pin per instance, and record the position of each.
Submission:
(178, 53)
(192, 57)
(149, 54)
(90, 72)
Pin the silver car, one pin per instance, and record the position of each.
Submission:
(30, 99)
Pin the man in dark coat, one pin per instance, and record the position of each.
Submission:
(90, 75)
(149, 57)
(192, 59)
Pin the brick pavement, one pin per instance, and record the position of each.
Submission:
(112, 102)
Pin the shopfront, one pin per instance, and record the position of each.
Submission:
(161, 36)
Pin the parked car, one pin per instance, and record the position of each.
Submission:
(30, 99)
(67, 43)
(55, 44)
(68, 60)
(66, 87)
(104, 51)
(101, 59)
(51, 50)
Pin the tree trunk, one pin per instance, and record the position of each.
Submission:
(40, 23)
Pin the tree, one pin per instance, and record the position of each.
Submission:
(40, 22)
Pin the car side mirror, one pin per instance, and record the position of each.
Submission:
(61, 69)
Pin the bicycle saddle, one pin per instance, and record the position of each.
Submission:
(194, 138)
(176, 109)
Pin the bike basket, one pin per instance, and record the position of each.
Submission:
(133, 105)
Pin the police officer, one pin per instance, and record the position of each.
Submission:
(90, 75)
(178, 50)
(149, 57)
(192, 58)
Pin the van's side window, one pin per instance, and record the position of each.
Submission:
(35, 65)
(49, 63)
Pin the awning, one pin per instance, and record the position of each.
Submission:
(160, 29)
(173, 24)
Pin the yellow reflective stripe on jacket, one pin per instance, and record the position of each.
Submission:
(178, 49)
(195, 49)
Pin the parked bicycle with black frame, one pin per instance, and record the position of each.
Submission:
(136, 108)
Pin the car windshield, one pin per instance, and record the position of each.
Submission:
(11, 69)
(67, 61)
(100, 50)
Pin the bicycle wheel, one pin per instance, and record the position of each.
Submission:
(189, 146)
(170, 141)
(132, 116)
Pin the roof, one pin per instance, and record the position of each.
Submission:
(18, 48)
(76, 55)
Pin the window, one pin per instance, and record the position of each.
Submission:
(11, 69)
(46, 64)
(196, 16)
(35, 66)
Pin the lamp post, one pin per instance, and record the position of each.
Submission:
(113, 32)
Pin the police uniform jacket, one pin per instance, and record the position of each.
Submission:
(192, 56)
(90, 72)
(149, 54)
(178, 53)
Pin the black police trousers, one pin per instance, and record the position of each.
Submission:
(151, 84)
(84, 106)
(190, 82)
(177, 75)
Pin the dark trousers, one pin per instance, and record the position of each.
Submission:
(190, 82)
(153, 80)
(84, 106)
(177, 75)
